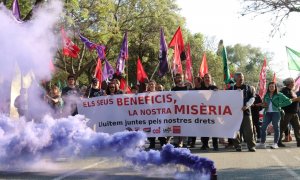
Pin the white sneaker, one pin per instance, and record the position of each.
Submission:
(262, 145)
(274, 146)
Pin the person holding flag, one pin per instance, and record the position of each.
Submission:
(291, 110)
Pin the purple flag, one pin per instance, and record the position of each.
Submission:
(90, 45)
(163, 55)
(108, 71)
(16, 10)
(101, 51)
(123, 55)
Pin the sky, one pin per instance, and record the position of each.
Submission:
(222, 20)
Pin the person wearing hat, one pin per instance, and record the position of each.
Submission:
(94, 89)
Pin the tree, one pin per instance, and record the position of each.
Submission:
(280, 10)
(248, 60)
(26, 7)
(104, 22)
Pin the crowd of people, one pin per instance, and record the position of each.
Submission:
(281, 108)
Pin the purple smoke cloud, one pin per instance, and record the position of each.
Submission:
(28, 142)
(31, 45)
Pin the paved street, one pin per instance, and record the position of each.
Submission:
(283, 163)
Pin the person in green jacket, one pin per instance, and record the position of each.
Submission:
(272, 102)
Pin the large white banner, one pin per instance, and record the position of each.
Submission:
(169, 113)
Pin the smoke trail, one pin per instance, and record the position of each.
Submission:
(26, 142)
(31, 45)
(28, 46)
(171, 155)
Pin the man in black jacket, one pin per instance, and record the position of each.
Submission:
(247, 125)
(291, 110)
(94, 90)
(255, 109)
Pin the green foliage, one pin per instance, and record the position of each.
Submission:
(248, 60)
(106, 21)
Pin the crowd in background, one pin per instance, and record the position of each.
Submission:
(280, 108)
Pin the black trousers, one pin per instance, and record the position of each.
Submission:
(205, 140)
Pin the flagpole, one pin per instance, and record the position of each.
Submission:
(172, 72)
(126, 85)
(154, 71)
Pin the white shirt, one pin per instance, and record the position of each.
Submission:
(270, 108)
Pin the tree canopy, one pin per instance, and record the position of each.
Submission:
(105, 22)
(280, 10)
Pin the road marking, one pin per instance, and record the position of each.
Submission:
(78, 170)
(296, 157)
(269, 150)
(291, 172)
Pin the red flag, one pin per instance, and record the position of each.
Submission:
(177, 66)
(204, 67)
(274, 78)
(98, 72)
(140, 72)
(188, 65)
(123, 86)
(263, 79)
(177, 40)
(179, 54)
(69, 48)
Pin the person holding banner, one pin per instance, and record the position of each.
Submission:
(152, 88)
(179, 86)
(272, 102)
(291, 110)
(159, 87)
(208, 86)
(117, 83)
(94, 90)
(198, 82)
(112, 89)
(134, 89)
(246, 126)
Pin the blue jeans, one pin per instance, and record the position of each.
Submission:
(273, 117)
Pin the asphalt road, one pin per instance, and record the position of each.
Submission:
(282, 163)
